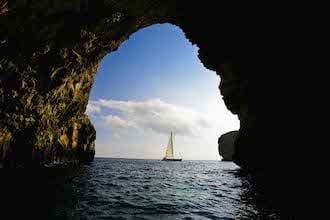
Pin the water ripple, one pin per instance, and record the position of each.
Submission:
(147, 189)
(150, 189)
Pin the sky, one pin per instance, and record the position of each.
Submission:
(153, 84)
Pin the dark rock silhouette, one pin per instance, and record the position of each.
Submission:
(227, 145)
(50, 51)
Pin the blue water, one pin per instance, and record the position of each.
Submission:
(152, 189)
(143, 189)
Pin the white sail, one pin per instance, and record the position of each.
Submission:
(169, 150)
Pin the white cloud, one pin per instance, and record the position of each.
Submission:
(155, 115)
(93, 108)
(115, 121)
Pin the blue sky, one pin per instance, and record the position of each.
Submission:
(152, 84)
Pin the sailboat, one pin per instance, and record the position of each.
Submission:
(169, 151)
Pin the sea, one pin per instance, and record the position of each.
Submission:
(110, 188)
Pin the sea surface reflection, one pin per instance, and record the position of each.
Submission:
(137, 189)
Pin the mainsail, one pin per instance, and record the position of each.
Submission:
(169, 150)
(169, 156)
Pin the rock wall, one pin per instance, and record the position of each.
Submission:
(50, 51)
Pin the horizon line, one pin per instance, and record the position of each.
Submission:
(149, 158)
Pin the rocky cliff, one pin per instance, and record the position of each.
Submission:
(50, 51)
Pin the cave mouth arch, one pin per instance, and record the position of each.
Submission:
(156, 66)
(50, 54)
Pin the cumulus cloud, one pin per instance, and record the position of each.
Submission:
(155, 115)
(93, 108)
(115, 121)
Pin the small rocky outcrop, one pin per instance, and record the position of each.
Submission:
(227, 145)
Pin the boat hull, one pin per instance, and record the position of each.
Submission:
(164, 159)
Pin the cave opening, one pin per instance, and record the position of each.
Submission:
(49, 56)
(152, 84)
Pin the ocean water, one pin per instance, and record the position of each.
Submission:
(140, 189)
